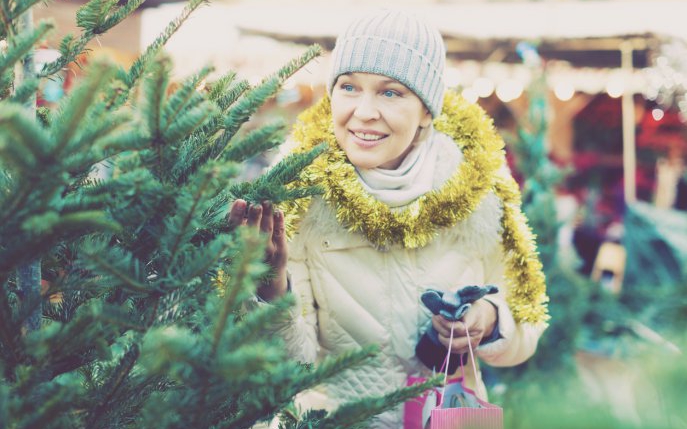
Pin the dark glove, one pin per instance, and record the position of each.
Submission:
(452, 306)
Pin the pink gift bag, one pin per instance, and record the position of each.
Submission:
(417, 411)
(458, 407)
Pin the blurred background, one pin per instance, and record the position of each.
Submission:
(591, 99)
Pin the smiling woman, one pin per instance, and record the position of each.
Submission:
(416, 196)
(377, 120)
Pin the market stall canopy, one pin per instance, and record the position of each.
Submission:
(255, 38)
(586, 34)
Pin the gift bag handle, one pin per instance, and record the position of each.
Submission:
(462, 370)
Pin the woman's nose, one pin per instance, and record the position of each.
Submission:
(366, 109)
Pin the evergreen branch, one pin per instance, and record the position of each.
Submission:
(252, 100)
(296, 64)
(333, 365)
(20, 7)
(189, 121)
(186, 95)
(75, 223)
(154, 88)
(240, 273)
(271, 186)
(289, 168)
(203, 258)
(6, 82)
(72, 344)
(233, 93)
(356, 413)
(164, 347)
(96, 17)
(253, 324)
(91, 15)
(104, 139)
(243, 109)
(26, 89)
(186, 221)
(154, 48)
(23, 44)
(23, 143)
(7, 29)
(117, 264)
(196, 149)
(69, 48)
(76, 107)
(255, 142)
(264, 404)
(220, 86)
(126, 364)
(17, 200)
(99, 123)
(48, 228)
(52, 404)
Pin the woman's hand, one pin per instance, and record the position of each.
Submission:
(270, 222)
(480, 321)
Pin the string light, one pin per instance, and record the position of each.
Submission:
(470, 94)
(509, 90)
(564, 91)
(483, 86)
(667, 79)
(657, 114)
(615, 88)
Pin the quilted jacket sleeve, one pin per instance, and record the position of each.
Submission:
(300, 330)
(518, 341)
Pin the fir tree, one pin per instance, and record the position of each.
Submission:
(144, 322)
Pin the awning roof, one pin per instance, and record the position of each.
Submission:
(585, 33)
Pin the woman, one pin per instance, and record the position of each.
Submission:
(417, 196)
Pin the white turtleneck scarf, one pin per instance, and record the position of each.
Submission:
(422, 170)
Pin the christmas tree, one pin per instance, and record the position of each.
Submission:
(143, 320)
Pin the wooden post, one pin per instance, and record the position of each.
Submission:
(628, 110)
(29, 275)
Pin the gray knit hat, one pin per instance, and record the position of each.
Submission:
(397, 45)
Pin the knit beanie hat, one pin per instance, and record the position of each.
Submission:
(397, 45)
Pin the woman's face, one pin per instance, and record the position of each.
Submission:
(376, 119)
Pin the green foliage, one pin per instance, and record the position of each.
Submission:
(154, 48)
(11, 12)
(21, 45)
(149, 316)
(95, 17)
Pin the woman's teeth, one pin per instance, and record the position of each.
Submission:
(368, 137)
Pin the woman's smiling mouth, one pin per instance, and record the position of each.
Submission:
(367, 139)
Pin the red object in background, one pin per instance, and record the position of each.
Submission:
(666, 134)
(603, 111)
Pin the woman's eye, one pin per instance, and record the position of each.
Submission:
(390, 93)
(347, 87)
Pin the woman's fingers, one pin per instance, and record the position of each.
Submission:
(267, 220)
(254, 215)
(279, 238)
(459, 344)
(443, 326)
(237, 214)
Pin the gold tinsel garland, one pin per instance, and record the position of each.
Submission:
(418, 223)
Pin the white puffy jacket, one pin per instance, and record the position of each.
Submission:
(351, 294)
